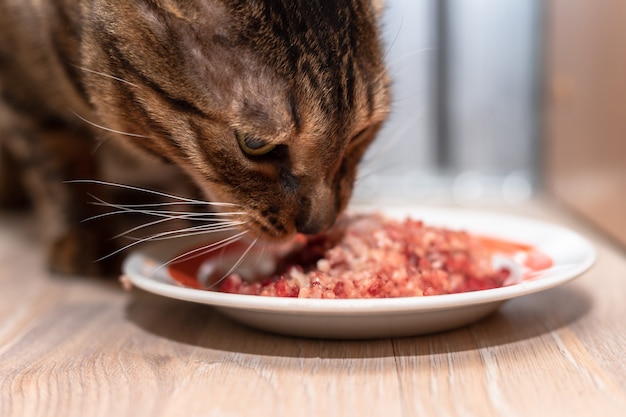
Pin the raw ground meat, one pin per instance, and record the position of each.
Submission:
(369, 256)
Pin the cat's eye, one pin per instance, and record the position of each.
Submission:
(252, 145)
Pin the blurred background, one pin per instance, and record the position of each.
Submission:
(505, 100)
(466, 109)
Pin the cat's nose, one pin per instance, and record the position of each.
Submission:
(314, 218)
(314, 224)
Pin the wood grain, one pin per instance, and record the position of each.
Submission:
(83, 347)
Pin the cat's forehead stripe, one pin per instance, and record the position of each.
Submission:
(125, 65)
(319, 40)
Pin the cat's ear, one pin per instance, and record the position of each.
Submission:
(378, 6)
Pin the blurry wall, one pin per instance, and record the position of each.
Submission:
(585, 159)
(465, 112)
(492, 95)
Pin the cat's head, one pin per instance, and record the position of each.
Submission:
(269, 105)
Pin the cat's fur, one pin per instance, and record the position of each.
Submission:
(183, 80)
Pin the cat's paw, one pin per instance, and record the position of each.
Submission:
(77, 253)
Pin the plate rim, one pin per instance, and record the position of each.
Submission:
(370, 305)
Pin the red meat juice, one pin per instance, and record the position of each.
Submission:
(370, 256)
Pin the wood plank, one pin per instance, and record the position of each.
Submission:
(83, 347)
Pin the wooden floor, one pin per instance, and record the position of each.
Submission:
(84, 347)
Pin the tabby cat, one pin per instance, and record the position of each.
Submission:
(265, 105)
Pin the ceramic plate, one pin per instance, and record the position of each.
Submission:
(571, 254)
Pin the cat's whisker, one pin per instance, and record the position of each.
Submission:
(167, 214)
(162, 204)
(214, 226)
(97, 145)
(188, 215)
(236, 265)
(108, 129)
(363, 175)
(401, 58)
(191, 216)
(124, 211)
(213, 222)
(122, 249)
(399, 133)
(142, 226)
(389, 144)
(203, 250)
(153, 192)
(105, 75)
(367, 166)
(180, 234)
(261, 254)
(392, 64)
(187, 231)
(395, 38)
(150, 238)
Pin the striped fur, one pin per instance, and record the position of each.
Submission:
(175, 82)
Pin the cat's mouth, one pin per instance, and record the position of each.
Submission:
(269, 225)
(312, 212)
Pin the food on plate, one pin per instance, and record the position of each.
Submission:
(372, 256)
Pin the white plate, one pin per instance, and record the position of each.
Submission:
(372, 318)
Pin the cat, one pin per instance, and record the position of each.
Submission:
(265, 106)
